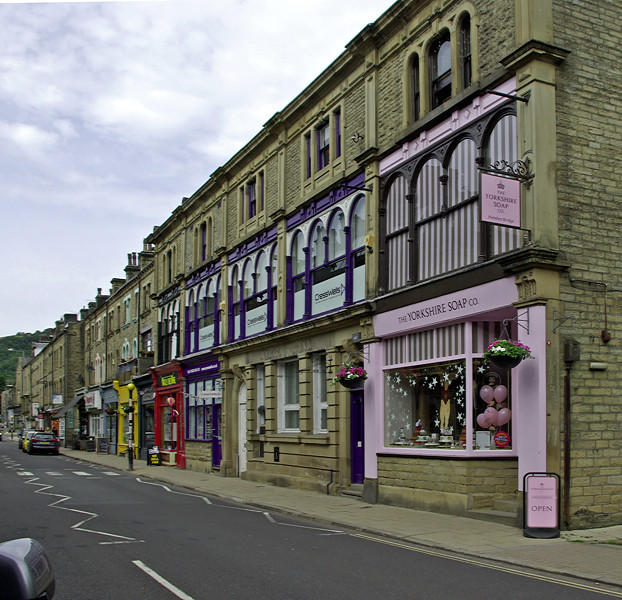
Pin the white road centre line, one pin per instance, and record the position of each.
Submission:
(163, 582)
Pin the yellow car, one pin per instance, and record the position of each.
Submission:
(21, 436)
(26, 440)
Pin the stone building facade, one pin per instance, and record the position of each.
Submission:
(446, 182)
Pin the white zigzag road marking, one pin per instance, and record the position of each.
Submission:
(206, 500)
(266, 514)
(77, 526)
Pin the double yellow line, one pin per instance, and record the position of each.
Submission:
(503, 568)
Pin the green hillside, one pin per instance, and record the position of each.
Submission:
(8, 359)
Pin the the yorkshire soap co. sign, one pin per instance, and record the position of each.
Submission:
(500, 200)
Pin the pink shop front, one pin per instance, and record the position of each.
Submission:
(446, 430)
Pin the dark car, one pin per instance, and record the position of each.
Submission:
(42, 441)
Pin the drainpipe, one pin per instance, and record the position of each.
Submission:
(571, 355)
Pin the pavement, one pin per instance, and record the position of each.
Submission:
(594, 555)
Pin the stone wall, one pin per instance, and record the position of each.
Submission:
(589, 105)
(445, 485)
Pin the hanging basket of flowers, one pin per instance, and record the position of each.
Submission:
(350, 376)
(110, 410)
(127, 408)
(506, 354)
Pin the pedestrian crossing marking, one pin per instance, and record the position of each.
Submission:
(54, 473)
(83, 474)
(25, 473)
(111, 473)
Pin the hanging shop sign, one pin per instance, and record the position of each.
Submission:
(501, 200)
(93, 400)
(541, 505)
(167, 379)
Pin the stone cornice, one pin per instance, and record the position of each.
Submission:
(534, 50)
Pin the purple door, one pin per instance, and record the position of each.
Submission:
(357, 446)
(216, 439)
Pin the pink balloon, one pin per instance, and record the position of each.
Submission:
(482, 421)
(486, 393)
(504, 416)
(500, 393)
(492, 415)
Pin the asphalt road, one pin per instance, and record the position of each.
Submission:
(112, 535)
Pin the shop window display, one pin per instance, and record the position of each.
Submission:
(427, 406)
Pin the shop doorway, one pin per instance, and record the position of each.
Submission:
(216, 439)
(242, 429)
(357, 441)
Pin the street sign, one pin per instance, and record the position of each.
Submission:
(541, 505)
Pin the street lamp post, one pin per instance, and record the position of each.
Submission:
(130, 435)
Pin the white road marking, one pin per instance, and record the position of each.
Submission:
(54, 473)
(173, 491)
(82, 474)
(163, 582)
(89, 515)
(111, 473)
(25, 473)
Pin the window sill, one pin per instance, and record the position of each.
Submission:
(447, 452)
(317, 438)
(284, 437)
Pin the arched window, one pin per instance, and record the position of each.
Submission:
(397, 247)
(234, 303)
(203, 241)
(357, 247)
(465, 50)
(249, 280)
(191, 323)
(218, 316)
(273, 283)
(256, 304)
(328, 265)
(317, 246)
(440, 70)
(415, 89)
(298, 276)
(429, 204)
(261, 279)
(205, 316)
(174, 330)
(209, 238)
(336, 236)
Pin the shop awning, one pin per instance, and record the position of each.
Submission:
(63, 409)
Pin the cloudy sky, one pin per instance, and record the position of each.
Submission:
(111, 112)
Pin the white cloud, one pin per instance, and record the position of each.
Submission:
(111, 112)
(29, 139)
